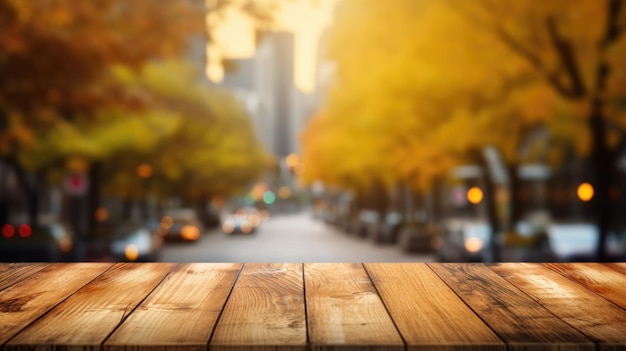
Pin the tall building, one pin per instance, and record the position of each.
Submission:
(265, 84)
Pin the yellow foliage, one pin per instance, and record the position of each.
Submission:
(420, 85)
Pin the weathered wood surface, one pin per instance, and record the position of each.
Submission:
(313, 306)
(597, 277)
(345, 311)
(11, 273)
(597, 318)
(265, 310)
(427, 312)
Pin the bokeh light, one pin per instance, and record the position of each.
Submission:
(25, 230)
(475, 195)
(585, 192)
(8, 231)
(131, 252)
(269, 197)
(144, 171)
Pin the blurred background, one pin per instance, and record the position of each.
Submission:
(312, 130)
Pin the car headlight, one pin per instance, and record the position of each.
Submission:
(133, 246)
(190, 232)
(228, 227)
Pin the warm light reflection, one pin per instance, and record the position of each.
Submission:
(585, 192)
(217, 202)
(101, 214)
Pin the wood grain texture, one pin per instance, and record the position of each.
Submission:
(22, 303)
(618, 266)
(596, 277)
(429, 315)
(599, 319)
(514, 316)
(344, 310)
(84, 320)
(181, 313)
(11, 273)
(265, 310)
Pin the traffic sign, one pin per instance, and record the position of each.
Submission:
(76, 184)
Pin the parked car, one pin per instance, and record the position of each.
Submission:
(46, 242)
(465, 240)
(388, 230)
(418, 237)
(132, 242)
(180, 225)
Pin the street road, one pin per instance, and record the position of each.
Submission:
(288, 238)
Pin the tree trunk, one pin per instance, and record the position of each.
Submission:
(29, 191)
(604, 163)
(515, 202)
(490, 204)
(93, 193)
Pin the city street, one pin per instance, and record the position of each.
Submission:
(288, 238)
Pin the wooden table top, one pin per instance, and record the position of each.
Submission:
(313, 306)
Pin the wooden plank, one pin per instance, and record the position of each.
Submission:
(11, 273)
(599, 319)
(618, 266)
(191, 299)
(84, 320)
(519, 320)
(22, 303)
(596, 277)
(265, 310)
(344, 310)
(429, 315)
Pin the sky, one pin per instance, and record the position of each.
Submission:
(305, 18)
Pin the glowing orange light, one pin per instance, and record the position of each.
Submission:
(585, 192)
(131, 252)
(144, 170)
(8, 231)
(474, 195)
(25, 230)
(473, 244)
(284, 192)
(190, 232)
(246, 228)
(101, 214)
(217, 202)
(167, 222)
(254, 219)
(65, 245)
(228, 227)
(265, 215)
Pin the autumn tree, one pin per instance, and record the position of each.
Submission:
(55, 64)
(576, 48)
(432, 83)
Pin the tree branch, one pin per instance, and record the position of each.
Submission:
(613, 29)
(568, 62)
